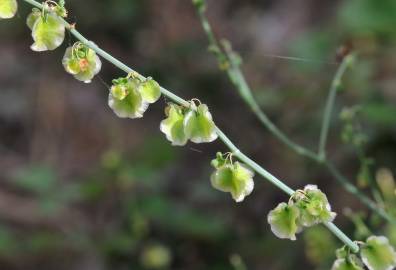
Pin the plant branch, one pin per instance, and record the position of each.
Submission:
(237, 153)
(355, 191)
(335, 85)
(230, 62)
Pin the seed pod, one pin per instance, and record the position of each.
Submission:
(173, 126)
(150, 90)
(48, 31)
(378, 254)
(314, 207)
(235, 178)
(351, 263)
(33, 17)
(82, 62)
(119, 91)
(199, 126)
(126, 101)
(8, 9)
(284, 221)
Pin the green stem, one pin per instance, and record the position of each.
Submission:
(336, 83)
(257, 168)
(355, 191)
(236, 76)
(228, 61)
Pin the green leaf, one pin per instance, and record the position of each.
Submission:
(199, 126)
(351, 263)
(132, 105)
(314, 207)
(378, 254)
(81, 62)
(48, 33)
(284, 221)
(173, 126)
(150, 90)
(234, 178)
(8, 9)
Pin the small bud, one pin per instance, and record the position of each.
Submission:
(235, 178)
(48, 31)
(8, 9)
(219, 161)
(60, 9)
(199, 126)
(156, 256)
(284, 221)
(378, 254)
(173, 126)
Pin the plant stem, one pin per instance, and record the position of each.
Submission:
(236, 76)
(237, 153)
(230, 63)
(336, 83)
(355, 191)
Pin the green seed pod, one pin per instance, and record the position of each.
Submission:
(235, 178)
(173, 126)
(351, 263)
(378, 254)
(48, 32)
(8, 9)
(119, 91)
(199, 126)
(314, 207)
(219, 161)
(150, 90)
(73, 66)
(82, 62)
(284, 221)
(126, 101)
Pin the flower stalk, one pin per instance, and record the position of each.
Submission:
(233, 148)
(230, 62)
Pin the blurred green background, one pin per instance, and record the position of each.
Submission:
(82, 189)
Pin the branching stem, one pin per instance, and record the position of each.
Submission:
(236, 152)
(335, 85)
(228, 61)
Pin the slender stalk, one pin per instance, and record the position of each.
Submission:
(355, 191)
(237, 153)
(226, 59)
(336, 83)
(230, 63)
